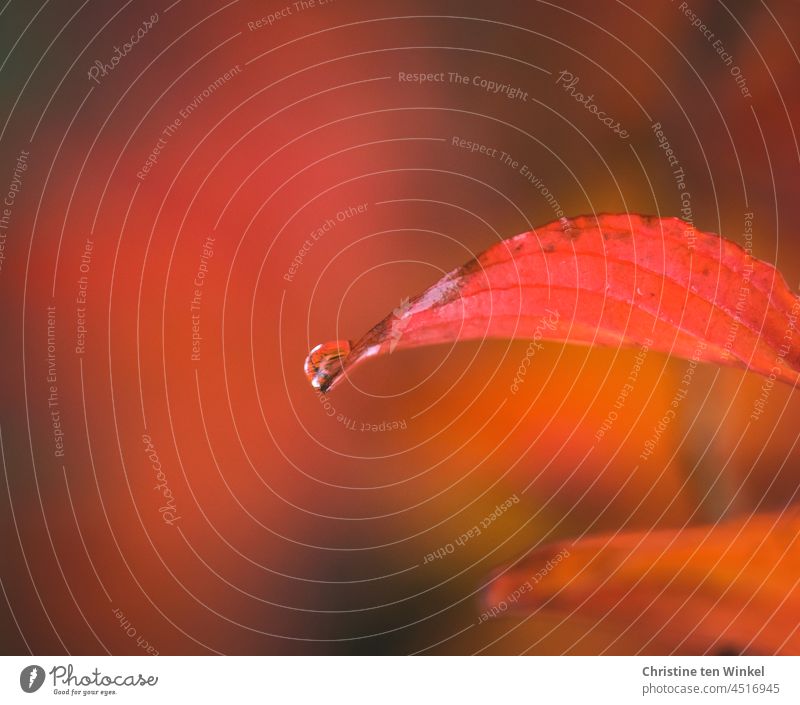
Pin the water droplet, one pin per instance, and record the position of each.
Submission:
(324, 363)
(639, 290)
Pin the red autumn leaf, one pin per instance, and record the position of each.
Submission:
(600, 280)
(729, 588)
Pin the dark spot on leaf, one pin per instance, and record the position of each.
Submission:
(616, 234)
(472, 267)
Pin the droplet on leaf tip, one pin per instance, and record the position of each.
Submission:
(324, 363)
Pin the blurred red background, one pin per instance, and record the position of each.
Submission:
(206, 498)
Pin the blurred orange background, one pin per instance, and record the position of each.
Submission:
(298, 189)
